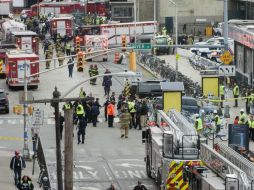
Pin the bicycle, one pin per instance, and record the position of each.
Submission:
(211, 133)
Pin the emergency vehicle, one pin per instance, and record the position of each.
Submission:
(176, 158)
(9, 26)
(25, 40)
(62, 25)
(15, 68)
(57, 8)
(95, 43)
(114, 31)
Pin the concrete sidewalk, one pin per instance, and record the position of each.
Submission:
(6, 175)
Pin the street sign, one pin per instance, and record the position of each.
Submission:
(38, 116)
(146, 46)
(226, 57)
(227, 70)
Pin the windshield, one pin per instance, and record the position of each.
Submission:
(161, 40)
(189, 102)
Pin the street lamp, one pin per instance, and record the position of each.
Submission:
(176, 42)
(135, 20)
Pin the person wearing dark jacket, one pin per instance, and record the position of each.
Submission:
(81, 129)
(25, 183)
(70, 67)
(140, 186)
(107, 83)
(95, 111)
(138, 114)
(143, 113)
(106, 103)
(17, 165)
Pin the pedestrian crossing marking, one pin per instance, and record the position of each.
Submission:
(11, 138)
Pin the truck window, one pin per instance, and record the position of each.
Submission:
(161, 41)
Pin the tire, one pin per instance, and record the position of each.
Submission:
(148, 167)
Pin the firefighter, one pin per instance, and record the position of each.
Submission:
(90, 72)
(68, 49)
(95, 73)
(251, 128)
(236, 94)
(251, 99)
(217, 121)
(48, 56)
(198, 124)
(60, 56)
(242, 118)
(222, 94)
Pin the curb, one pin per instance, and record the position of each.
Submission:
(148, 70)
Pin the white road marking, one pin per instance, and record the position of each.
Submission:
(85, 167)
(128, 165)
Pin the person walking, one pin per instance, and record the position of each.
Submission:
(95, 72)
(106, 103)
(143, 113)
(251, 128)
(138, 105)
(17, 165)
(217, 121)
(222, 94)
(111, 113)
(113, 97)
(90, 72)
(80, 111)
(107, 83)
(95, 111)
(81, 130)
(132, 110)
(125, 119)
(82, 93)
(68, 49)
(140, 186)
(25, 184)
(70, 67)
(198, 124)
(236, 94)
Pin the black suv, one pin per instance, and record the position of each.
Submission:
(4, 102)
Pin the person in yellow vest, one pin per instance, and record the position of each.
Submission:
(251, 99)
(132, 110)
(67, 106)
(222, 94)
(80, 111)
(198, 124)
(236, 94)
(217, 121)
(82, 93)
(251, 128)
(242, 117)
(68, 49)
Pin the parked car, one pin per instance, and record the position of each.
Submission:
(189, 104)
(4, 102)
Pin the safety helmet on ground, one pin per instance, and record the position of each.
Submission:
(214, 111)
(242, 110)
(16, 152)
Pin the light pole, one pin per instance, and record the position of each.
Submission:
(154, 16)
(176, 41)
(226, 24)
(135, 20)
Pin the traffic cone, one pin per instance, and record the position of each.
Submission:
(117, 57)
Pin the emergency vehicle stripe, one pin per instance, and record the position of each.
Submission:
(179, 173)
(186, 186)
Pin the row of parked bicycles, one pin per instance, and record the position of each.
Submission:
(165, 71)
(201, 63)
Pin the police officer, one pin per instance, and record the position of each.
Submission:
(217, 121)
(81, 129)
(236, 93)
(90, 72)
(251, 128)
(80, 111)
(68, 49)
(222, 94)
(198, 124)
(242, 117)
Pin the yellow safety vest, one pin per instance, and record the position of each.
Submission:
(80, 110)
(221, 89)
(251, 98)
(200, 124)
(242, 119)
(81, 94)
(131, 106)
(251, 124)
(67, 106)
(236, 90)
(218, 120)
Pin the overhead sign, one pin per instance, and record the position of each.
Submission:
(226, 57)
(146, 46)
(38, 116)
(227, 70)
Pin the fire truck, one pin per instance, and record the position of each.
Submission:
(25, 40)
(95, 43)
(62, 25)
(9, 26)
(57, 8)
(177, 158)
(15, 61)
(115, 31)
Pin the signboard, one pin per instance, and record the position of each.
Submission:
(227, 70)
(238, 135)
(146, 46)
(226, 57)
(38, 116)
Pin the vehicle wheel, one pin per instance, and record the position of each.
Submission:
(105, 59)
(158, 181)
(148, 167)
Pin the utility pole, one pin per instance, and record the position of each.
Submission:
(55, 104)
(226, 24)
(68, 149)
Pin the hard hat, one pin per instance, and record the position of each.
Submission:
(214, 111)
(16, 152)
(242, 110)
(196, 115)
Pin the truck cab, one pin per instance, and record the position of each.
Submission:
(162, 40)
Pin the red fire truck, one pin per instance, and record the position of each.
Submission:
(15, 61)
(62, 25)
(57, 8)
(25, 40)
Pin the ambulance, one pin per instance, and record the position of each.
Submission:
(62, 25)
(15, 61)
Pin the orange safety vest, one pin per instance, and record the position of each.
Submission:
(111, 109)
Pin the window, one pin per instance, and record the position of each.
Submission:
(122, 12)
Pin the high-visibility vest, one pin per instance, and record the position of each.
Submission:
(67, 106)
(111, 109)
(68, 46)
(81, 94)
(251, 98)
(221, 89)
(236, 90)
(251, 124)
(200, 124)
(218, 120)
(80, 110)
(242, 119)
(131, 106)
